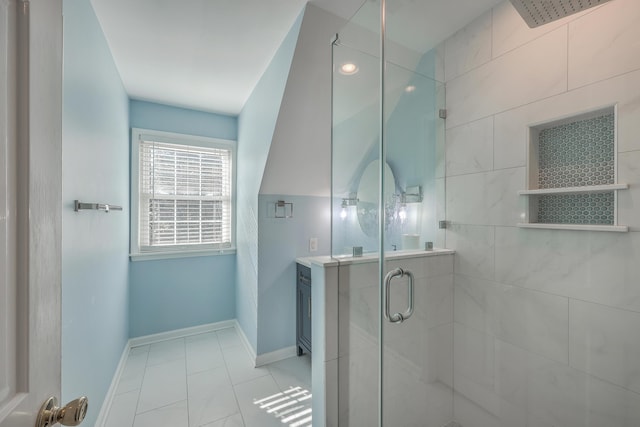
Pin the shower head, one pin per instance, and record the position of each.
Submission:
(540, 12)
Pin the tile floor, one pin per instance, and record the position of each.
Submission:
(208, 380)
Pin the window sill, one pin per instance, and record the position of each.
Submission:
(149, 256)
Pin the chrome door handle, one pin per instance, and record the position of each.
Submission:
(397, 317)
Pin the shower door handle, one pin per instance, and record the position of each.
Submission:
(397, 317)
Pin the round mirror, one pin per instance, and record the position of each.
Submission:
(368, 195)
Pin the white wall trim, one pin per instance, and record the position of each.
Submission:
(111, 393)
(276, 356)
(266, 358)
(245, 341)
(179, 333)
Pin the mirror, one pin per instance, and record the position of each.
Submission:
(368, 195)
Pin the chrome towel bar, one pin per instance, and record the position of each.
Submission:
(78, 205)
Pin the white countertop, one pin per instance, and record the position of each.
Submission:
(329, 261)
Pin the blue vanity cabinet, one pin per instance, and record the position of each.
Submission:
(303, 317)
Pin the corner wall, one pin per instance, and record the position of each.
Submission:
(256, 125)
(298, 171)
(95, 245)
(178, 293)
(546, 321)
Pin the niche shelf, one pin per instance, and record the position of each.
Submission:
(571, 173)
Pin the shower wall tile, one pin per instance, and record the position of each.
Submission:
(469, 148)
(605, 343)
(610, 35)
(474, 356)
(510, 31)
(414, 394)
(358, 308)
(358, 390)
(532, 320)
(415, 343)
(536, 71)
(510, 139)
(474, 246)
(591, 266)
(629, 200)
(511, 127)
(468, 48)
(561, 308)
(488, 198)
(468, 413)
(555, 394)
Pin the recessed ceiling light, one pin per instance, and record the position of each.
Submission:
(348, 68)
(409, 88)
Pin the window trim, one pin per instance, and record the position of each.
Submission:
(166, 252)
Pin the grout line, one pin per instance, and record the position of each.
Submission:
(186, 380)
(144, 375)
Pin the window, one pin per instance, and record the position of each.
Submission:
(182, 195)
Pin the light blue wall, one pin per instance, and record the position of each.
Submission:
(280, 241)
(94, 244)
(179, 293)
(149, 115)
(256, 125)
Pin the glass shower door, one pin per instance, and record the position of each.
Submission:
(417, 302)
(356, 196)
(388, 196)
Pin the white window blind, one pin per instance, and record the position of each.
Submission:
(184, 196)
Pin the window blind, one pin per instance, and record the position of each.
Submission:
(185, 196)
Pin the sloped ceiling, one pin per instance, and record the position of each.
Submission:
(209, 54)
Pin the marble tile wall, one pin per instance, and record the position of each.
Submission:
(418, 354)
(546, 321)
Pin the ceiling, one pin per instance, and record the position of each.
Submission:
(209, 54)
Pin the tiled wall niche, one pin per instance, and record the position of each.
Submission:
(571, 172)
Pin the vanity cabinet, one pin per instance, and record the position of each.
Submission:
(303, 317)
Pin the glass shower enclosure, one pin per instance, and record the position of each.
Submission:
(388, 201)
(526, 311)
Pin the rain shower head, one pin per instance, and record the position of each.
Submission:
(540, 12)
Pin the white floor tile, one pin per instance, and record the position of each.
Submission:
(211, 397)
(256, 399)
(203, 353)
(240, 366)
(232, 421)
(208, 380)
(163, 385)
(229, 338)
(166, 351)
(133, 373)
(168, 416)
(123, 410)
(292, 372)
(139, 349)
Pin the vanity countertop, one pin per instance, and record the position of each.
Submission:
(329, 261)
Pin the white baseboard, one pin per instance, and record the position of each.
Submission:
(276, 356)
(179, 333)
(245, 342)
(266, 358)
(111, 393)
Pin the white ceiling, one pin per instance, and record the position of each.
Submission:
(209, 54)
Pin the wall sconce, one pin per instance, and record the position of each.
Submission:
(411, 195)
(402, 213)
(352, 200)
